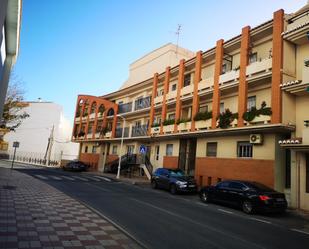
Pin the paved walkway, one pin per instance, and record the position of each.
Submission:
(36, 215)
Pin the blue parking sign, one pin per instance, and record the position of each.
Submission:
(142, 149)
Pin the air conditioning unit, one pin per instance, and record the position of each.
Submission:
(256, 139)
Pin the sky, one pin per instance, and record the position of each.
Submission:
(71, 47)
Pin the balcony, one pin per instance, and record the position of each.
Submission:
(259, 66)
(77, 119)
(171, 95)
(168, 128)
(203, 124)
(142, 103)
(89, 135)
(184, 126)
(108, 134)
(92, 116)
(123, 108)
(119, 132)
(261, 119)
(206, 84)
(187, 90)
(139, 131)
(158, 100)
(155, 130)
(97, 135)
(229, 76)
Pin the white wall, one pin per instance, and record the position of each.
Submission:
(34, 131)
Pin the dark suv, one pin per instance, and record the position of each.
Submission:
(173, 180)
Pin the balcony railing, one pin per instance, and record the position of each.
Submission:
(259, 66)
(138, 131)
(119, 132)
(142, 103)
(123, 108)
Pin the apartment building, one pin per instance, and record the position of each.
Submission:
(235, 111)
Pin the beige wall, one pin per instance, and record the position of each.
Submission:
(302, 113)
(208, 71)
(288, 108)
(301, 54)
(227, 147)
(262, 50)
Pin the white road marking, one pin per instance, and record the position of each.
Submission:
(299, 231)
(104, 178)
(93, 179)
(260, 220)
(225, 211)
(41, 177)
(200, 224)
(201, 204)
(56, 178)
(68, 178)
(80, 178)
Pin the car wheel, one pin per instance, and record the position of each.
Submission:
(247, 207)
(204, 196)
(173, 189)
(154, 184)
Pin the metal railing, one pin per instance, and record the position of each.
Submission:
(142, 103)
(119, 132)
(138, 131)
(123, 108)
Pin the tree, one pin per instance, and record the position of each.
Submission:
(13, 115)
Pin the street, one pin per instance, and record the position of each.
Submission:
(161, 220)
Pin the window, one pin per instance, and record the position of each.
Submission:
(94, 149)
(169, 149)
(224, 68)
(237, 185)
(86, 149)
(244, 149)
(171, 116)
(114, 150)
(120, 102)
(203, 108)
(251, 102)
(211, 149)
(187, 80)
(174, 87)
(221, 107)
(252, 58)
(157, 152)
(223, 184)
(130, 149)
(138, 124)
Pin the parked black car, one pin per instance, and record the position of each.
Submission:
(250, 196)
(75, 166)
(173, 180)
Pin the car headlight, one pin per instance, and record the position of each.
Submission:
(181, 183)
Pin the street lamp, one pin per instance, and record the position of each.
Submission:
(121, 144)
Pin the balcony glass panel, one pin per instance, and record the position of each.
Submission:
(142, 103)
(119, 132)
(138, 131)
(123, 108)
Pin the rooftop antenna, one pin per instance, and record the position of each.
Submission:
(177, 33)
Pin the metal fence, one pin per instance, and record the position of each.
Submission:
(36, 158)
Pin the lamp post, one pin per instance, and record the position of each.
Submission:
(121, 144)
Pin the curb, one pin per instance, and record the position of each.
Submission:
(141, 244)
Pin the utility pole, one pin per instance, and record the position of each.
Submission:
(49, 146)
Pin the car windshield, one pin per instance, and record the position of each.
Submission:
(176, 173)
(259, 186)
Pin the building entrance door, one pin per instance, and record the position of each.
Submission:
(187, 154)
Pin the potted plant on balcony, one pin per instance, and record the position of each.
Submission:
(203, 120)
(168, 125)
(226, 119)
(81, 134)
(183, 124)
(258, 115)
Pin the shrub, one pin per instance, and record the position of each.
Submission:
(183, 120)
(250, 115)
(155, 125)
(168, 122)
(203, 116)
(226, 118)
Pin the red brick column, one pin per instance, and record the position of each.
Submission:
(181, 74)
(216, 92)
(76, 109)
(277, 62)
(95, 120)
(197, 79)
(243, 86)
(115, 121)
(164, 107)
(81, 115)
(153, 96)
(87, 124)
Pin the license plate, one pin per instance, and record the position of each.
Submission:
(279, 199)
(191, 186)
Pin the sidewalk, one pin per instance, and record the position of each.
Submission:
(36, 215)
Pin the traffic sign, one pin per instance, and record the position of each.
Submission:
(15, 144)
(142, 149)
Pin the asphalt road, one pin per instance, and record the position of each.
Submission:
(160, 220)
